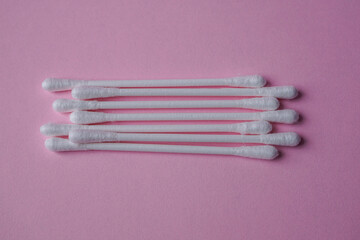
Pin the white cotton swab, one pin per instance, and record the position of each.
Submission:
(256, 127)
(57, 84)
(89, 136)
(284, 92)
(260, 152)
(68, 105)
(281, 116)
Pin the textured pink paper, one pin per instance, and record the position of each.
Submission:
(311, 192)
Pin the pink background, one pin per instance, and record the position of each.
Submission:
(311, 192)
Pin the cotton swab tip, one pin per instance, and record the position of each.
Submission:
(93, 92)
(60, 144)
(291, 92)
(258, 80)
(281, 139)
(284, 92)
(256, 127)
(63, 105)
(263, 103)
(55, 84)
(84, 117)
(282, 116)
(69, 105)
(53, 129)
(261, 152)
(252, 80)
(91, 136)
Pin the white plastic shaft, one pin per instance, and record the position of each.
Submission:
(256, 127)
(260, 152)
(281, 116)
(88, 136)
(284, 92)
(57, 84)
(68, 105)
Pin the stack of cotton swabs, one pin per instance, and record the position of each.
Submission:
(108, 137)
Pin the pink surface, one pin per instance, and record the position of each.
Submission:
(311, 192)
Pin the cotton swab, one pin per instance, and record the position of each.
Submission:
(284, 92)
(261, 152)
(256, 127)
(57, 84)
(89, 136)
(68, 105)
(281, 116)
